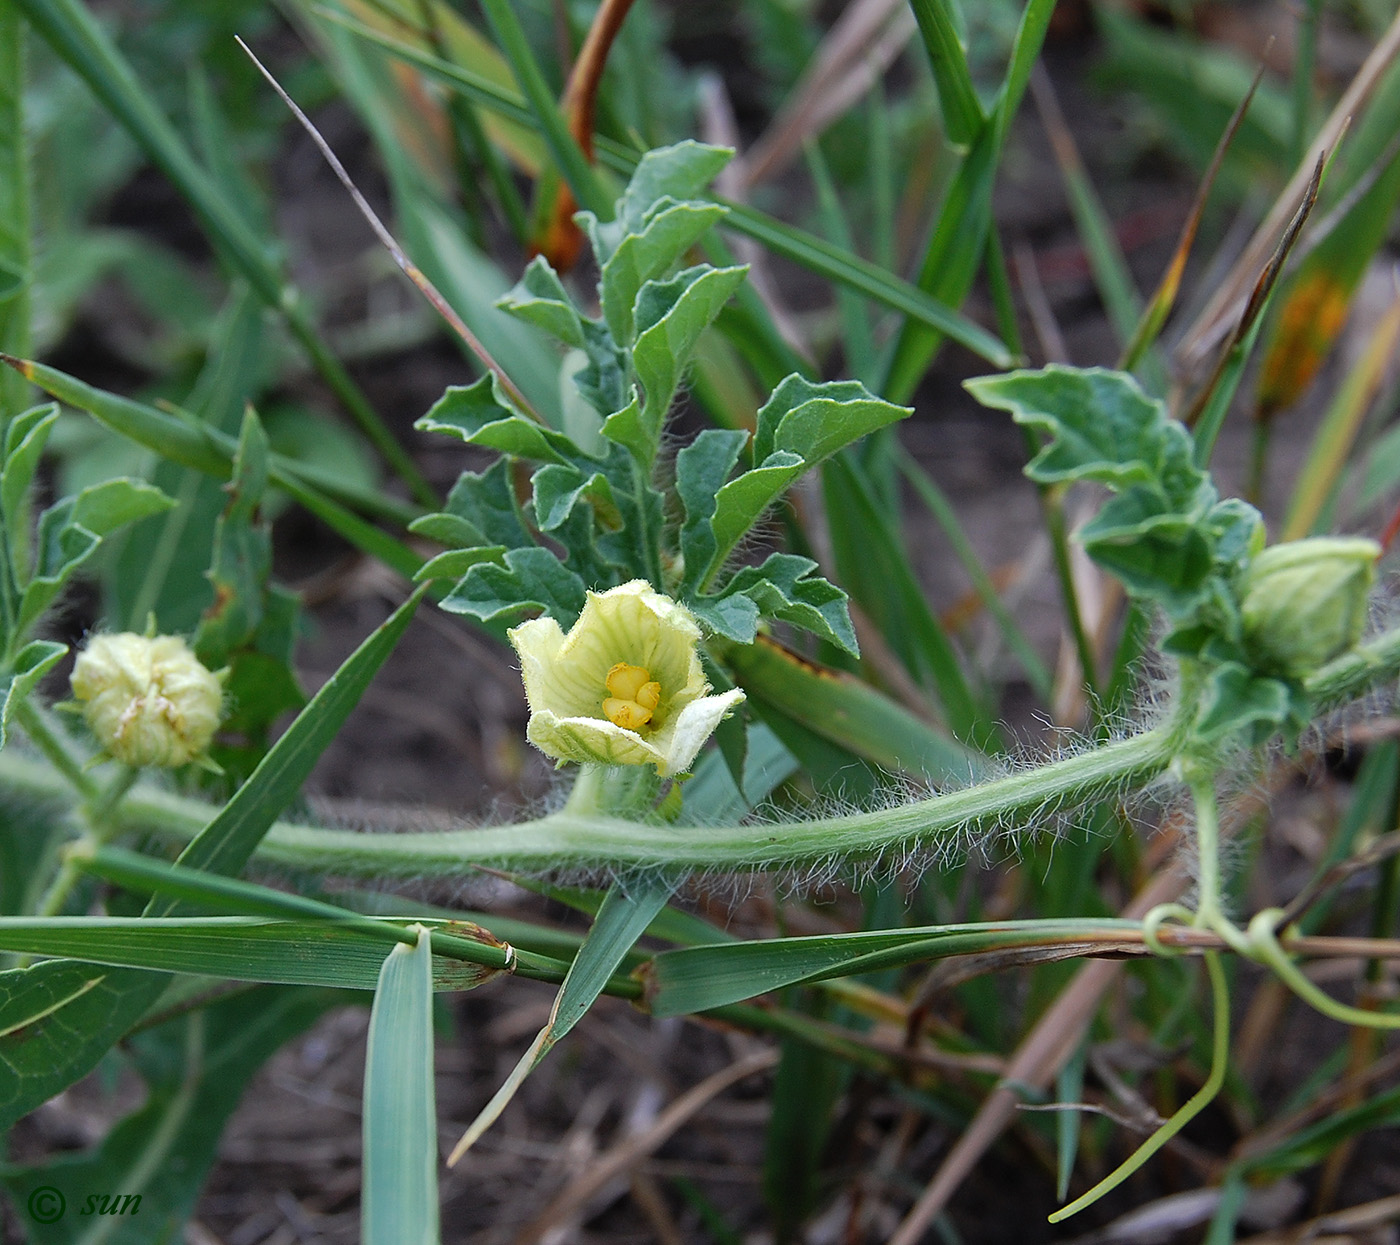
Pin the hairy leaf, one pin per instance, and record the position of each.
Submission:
(813, 421)
(539, 298)
(531, 579)
(479, 415)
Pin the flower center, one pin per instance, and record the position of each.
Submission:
(632, 696)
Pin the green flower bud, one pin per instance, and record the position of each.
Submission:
(1304, 602)
(148, 699)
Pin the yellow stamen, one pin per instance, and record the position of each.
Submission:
(635, 695)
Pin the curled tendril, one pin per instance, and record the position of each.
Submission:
(1154, 921)
(1265, 947)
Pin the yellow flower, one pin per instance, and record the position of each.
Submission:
(148, 699)
(624, 687)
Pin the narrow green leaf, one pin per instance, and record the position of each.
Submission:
(622, 918)
(946, 516)
(183, 439)
(874, 568)
(962, 114)
(568, 158)
(225, 844)
(960, 233)
(399, 1204)
(692, 979)
(848, 712)
(934, 315)
(317, 952)
(1069, 1087)
(75, 35)
(149, 1169)
(15, 240)
(625, 913)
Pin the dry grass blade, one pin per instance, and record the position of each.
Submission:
(1047, 329)
(719, 126)
(1212, 324)
(1164, 297)
(860, 47)
(1380, 849)
(618, 1160)
(1355, 1224)
(409, 269)
(1263, 287)
(563, 240)
(1336, 437)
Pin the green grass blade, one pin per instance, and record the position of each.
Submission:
(226, 843)
(73, 33)
(1069, 1088)
(399, 1205)
(874, 567)
(932, 311)
(693, 979)
(184, 440)
(1118, 292)
(148, 876)
(1208, 415)
(858, 342)
(942, 510)
(625, 913)
(622, 918)
(849, 713)
(956, 247)
(962, 113)
(588, 190)
(798, 245)
(313, 952)
(211, 451)
(196, 1070)
(14, 209)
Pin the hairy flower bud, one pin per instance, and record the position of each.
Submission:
(1304, 602)
(148, 699)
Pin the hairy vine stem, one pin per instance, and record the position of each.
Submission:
(568, 841)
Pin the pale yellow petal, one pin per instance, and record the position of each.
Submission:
(681, 740)
(591, 739)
